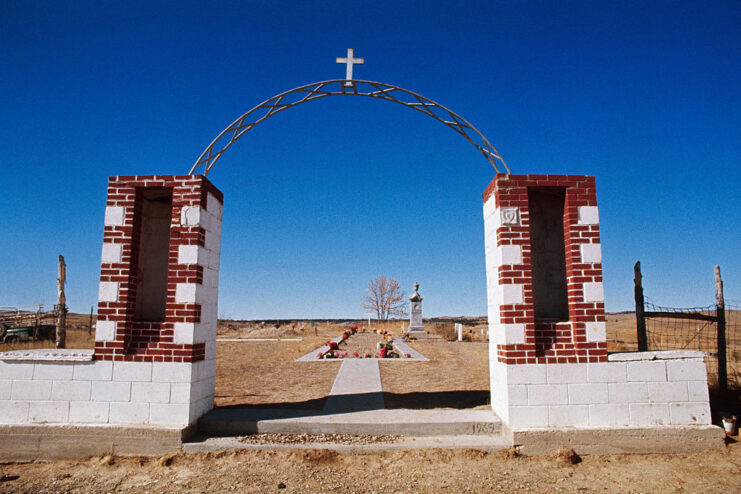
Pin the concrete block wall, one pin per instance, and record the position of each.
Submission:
(629, 390)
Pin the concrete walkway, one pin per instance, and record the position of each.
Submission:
(356, 387)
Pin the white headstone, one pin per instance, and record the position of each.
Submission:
(459, 330)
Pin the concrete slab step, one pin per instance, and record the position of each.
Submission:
(406, 422)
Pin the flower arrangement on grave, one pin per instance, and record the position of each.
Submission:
(386, 349)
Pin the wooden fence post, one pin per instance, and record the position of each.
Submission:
(640, 316)
(720, 310)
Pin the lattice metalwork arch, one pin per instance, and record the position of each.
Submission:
(336, 87)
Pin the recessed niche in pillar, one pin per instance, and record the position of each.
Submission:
(550, 297)
(154, 248)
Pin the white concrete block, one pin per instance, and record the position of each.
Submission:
(213, 205)
(13, 412)
(31, 390)
(190, 216)
(185, 293)
(607, 372)
(184, 332)
(588, 215)
(210, 349)
(213, 242)
(132, 371)
(588, 394)
(111, 391)
(213, 260)
(526, 374)
(611, 415)
(528, 417)
(58, 371)
(591, 253)
(48, 411)
(190, 254)
(207, 369)
(6, 387)
(690, 413)
(111, 253)
(114, 216)
(71, 390)
(593, 292)
(644, 414)
(627, 392)
(509, 294)
(697, 391)
(170, 413)
(97, 370)
(180, 393)
(149, 392)
(108, 291)
(547, 394)
(16, 370)
(129, 413)
(489, 207)
(646, 370)
(88, 412)
(566, 373)
(105, 331)
(568, 416)
(664, 392)
(204, 388)
(204, 406)
(686, 370)
(510, 333)
(595, 331)
(172, 372)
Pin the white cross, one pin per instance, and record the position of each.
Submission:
(349, 61)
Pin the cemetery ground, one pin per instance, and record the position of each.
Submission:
(260, 370)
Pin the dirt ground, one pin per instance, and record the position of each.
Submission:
(426, 471)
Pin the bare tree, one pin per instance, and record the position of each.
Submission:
(386, 298)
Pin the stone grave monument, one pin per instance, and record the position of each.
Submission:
(416, 328)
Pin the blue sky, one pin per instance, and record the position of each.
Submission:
(646, 96)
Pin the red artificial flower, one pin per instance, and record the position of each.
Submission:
(409, 355)
(355, 354)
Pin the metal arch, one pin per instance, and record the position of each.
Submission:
(336, 87)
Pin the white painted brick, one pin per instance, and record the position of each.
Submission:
(132, 371)
(566, 373)
(111, 253)
(190, 215)
(184, 332)
(594, 292)
(111, 391)
(180, 393)
(642, 414)
(526, 374)
(611, 415)
(528, 417)
(591, 253)
(52, 370)
(686, 370)
(607, 372)
(16, 370)
(114, 216)
(509, 294)
(568, 416)
(588, 215)
(646, 370)
(664, 392)
(105, 331)
(97, 370)
(697, 391)
(71, 390)
(172, 372)
(129, 413)
(48, 411)
(5, 389)
(547, 394)
(185, 293)
(108, 291)
(31, 390)
(588, 394)
(596, 332)
(627, 392)
(170, 413)
(150, 392)
(190, 254)
(690, 413)
(88, 412)
(13, 412)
